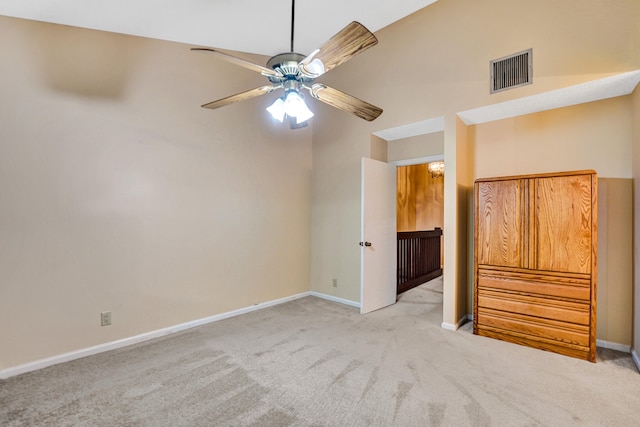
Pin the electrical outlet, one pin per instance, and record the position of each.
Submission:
(105, 318)
(335, 283)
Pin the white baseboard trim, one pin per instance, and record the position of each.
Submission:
(100, 348)
(636, 359)
(613, 346)
(452, 327)
(335, 299)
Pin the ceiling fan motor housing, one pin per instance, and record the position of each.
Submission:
(287, 65)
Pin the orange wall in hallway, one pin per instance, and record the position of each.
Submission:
(420, 201)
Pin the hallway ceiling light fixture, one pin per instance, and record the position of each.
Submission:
(436, 169)
(293, 72)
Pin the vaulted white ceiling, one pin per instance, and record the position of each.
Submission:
(264, 27)
(253, 26)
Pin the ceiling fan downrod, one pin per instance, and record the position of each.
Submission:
(293, 15)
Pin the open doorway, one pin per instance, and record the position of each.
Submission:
(420, 220)
(413, 144)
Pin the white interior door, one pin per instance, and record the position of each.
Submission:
(378, 262)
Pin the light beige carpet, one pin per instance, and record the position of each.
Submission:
(311, 362)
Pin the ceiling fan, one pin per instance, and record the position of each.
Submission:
(293, 72)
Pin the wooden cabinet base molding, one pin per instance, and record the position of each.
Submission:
(535, 261)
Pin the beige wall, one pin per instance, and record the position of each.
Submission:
(425, 145)
(615, 261)
(335, 230)
(445, 49)
(636, 222)
(119, 193)
(572, 139)
(595, 135)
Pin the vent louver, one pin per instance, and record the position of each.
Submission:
(511, 71)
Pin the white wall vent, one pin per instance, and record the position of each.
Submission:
(511, 71)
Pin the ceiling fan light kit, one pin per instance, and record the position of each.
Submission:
(290, 105)
(293, 72)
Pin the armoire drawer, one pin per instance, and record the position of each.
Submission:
(540, 327)
(535, 306)
(566, 287)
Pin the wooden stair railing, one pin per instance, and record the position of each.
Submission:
(418, 258)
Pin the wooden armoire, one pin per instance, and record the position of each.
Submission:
(535, 261)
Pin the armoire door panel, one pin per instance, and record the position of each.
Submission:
(499, 237)
(563, 215)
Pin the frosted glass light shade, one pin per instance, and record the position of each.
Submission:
(277, 110)
(316, 67)
(293, 103)
(304, 114)
(294, 106)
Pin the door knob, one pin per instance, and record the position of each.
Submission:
(365, 243)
